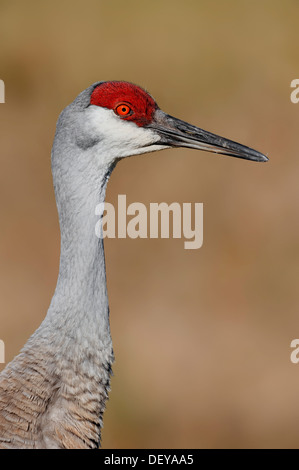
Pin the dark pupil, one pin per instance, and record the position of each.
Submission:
(124, 110)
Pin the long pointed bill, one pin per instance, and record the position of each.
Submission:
(177, 133)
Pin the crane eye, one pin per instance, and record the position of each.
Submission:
(123, 110)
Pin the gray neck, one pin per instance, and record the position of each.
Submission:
(69, 357)
(79, 310)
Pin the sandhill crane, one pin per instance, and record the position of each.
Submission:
(53, 393)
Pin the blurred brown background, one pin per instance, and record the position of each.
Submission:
(201, 337)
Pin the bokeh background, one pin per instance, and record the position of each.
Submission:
(201, 337)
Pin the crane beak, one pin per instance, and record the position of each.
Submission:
(176, 133)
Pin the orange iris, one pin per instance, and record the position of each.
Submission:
(123, 109)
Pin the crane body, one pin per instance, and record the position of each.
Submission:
(53, 393)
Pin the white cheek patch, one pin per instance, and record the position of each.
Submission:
(117, 137)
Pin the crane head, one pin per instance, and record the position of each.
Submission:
(130, 122)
